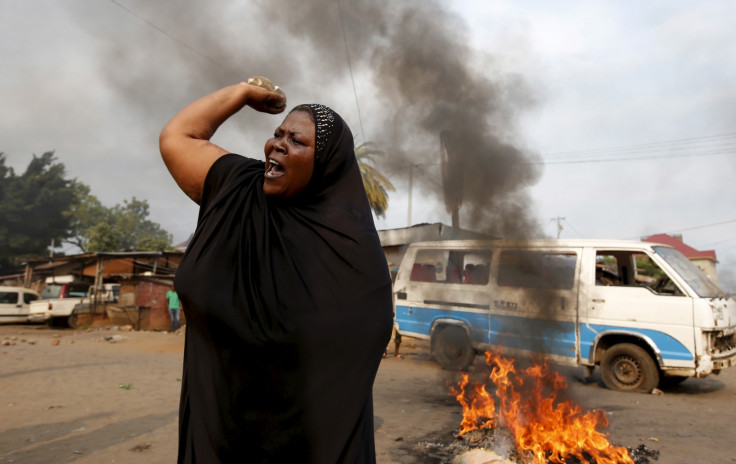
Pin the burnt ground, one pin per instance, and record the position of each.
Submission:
(104, 396)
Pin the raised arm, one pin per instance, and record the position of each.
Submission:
(185, 141)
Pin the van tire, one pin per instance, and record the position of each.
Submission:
(627, 367)
(451, 348)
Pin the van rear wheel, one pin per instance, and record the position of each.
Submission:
(627, 367)
(452, 348)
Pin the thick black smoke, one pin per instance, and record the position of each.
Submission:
(436, 93)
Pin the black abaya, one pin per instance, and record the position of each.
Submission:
(288, 309)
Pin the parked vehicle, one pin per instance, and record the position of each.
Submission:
(59, 301)
(15, 304)
(640, 311)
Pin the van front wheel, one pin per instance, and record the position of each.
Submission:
(628, 367)
(452, 348)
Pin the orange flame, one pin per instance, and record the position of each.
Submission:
(545, 428)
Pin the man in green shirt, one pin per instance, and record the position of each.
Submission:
(174, 309)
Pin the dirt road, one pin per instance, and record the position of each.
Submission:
(106, 396)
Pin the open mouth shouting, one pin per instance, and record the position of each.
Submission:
(274, 169)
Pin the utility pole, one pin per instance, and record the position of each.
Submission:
(559, 225)
(411, 181)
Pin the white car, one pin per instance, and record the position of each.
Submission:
(15, 305)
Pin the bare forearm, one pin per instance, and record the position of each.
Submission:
(201, 118)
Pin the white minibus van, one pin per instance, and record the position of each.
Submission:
(640, 311)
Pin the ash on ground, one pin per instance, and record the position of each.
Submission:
(443, 447)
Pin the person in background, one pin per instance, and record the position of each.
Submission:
(284, 285)
(174, 309)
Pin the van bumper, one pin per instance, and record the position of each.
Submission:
(722, 363)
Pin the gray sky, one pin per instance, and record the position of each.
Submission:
(621, 114)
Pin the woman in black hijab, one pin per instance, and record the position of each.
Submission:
(285, 289)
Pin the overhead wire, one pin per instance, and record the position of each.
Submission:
(712, 145)
(167, 34)
(350, 68)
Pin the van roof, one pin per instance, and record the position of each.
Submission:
(547, 242)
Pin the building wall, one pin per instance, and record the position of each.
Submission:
(149, 299)
(708, 266)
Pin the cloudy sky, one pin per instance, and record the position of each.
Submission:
(613, 119)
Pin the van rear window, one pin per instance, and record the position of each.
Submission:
(537, 269)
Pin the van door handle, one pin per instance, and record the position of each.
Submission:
(598, 300)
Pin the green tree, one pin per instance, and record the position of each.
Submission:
(122, 228)
(32, 208)
(86, 214)
(375, 183)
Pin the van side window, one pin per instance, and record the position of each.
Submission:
(471, 267)
(28, 297)
(632, 269)
(537, 269)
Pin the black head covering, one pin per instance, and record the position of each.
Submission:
(288, 308)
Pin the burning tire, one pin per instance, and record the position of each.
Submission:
(628, 367)
(452, 348)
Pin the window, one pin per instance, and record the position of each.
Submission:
(28, 297)
(537, 269)
(8, 297)
(468, 267)
(624, 268)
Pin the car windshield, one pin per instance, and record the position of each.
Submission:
(695, 278)
(65, 291)
(51, 291)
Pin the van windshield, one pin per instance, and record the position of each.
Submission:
(695, 278)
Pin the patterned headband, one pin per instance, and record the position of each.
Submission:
(324, 120)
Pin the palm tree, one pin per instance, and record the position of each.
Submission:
(375, 183)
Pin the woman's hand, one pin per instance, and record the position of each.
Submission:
(263, 100)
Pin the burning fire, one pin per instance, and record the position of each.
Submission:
(527, 403)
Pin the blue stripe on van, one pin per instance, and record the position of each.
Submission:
(670, 347)
(540, 335)
(419, 320)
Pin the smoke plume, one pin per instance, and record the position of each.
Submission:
(431, 93)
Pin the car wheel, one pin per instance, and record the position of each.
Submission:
(628, 367)
(72, 322)
(452, 348)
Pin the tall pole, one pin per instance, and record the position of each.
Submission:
(559, 225)
(411, 181)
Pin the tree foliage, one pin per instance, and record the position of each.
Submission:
(33, 208)
(123, 227)
(375, 183)
(42, 206)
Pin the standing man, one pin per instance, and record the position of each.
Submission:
(174, 309)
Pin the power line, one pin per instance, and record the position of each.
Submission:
(686, 229)
(350, 68)
(720, 144)
(175, 39)
(636, 158)
(645, 146)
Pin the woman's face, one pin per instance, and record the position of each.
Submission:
(290, 156)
